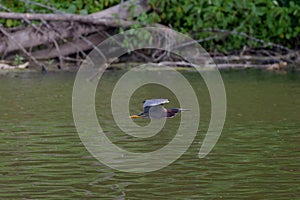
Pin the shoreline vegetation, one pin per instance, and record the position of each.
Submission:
(53, 37)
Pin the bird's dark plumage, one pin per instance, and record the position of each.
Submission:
(154, 108)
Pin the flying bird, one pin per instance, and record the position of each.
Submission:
(154, 108)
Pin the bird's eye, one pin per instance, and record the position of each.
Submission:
(144, 101)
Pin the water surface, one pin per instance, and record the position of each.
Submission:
(256, 157)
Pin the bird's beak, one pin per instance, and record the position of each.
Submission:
(134, 116)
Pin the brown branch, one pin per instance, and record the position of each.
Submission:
(225, 66)
(28, 38)
(287, 57)
(67, 48)
(247, 36)
(114, 16)
(61, 63)
(40, 30)
(112, 22)
(19, 45)
(68, 27)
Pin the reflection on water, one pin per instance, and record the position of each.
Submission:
(256, 157)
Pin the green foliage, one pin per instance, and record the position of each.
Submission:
(82, 7)
(69, 6)
(18, 59)
(266, 20)
(286, 3)
(136, 39)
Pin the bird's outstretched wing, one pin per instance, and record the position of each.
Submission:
(154, 108)
(154, 102)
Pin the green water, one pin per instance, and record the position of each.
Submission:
(256, 157)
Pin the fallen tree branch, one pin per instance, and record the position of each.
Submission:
(42, 31)
(66, 28)
(7, 66)
(67, 48)
(224, 66)
(247, 36)
(114, 17)
(89, 19)
(19, 45)
(290, 57)
(28, 38)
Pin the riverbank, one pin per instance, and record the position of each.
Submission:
(15, 70)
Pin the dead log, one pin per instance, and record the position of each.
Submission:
(275, 66)
(68, 48)
(65, 28)
(116, 16)
(89, 19)
(290, 57)
(30, 38)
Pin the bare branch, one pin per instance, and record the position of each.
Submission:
(20, 46)
(226, 66)
(247, 36)
(68, 17)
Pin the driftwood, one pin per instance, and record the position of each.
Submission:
(29, 37)
(293, 56)
(63, 34)
(68, 48)
(4, 65)
(274, 66)
(89, 19)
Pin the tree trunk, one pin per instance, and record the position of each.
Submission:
(64, 30)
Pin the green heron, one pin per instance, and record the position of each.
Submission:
(154, 108)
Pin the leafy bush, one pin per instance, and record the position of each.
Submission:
(265, 20)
